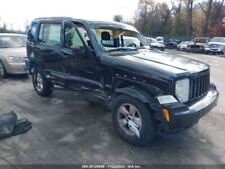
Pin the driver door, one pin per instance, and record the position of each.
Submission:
(81, 66)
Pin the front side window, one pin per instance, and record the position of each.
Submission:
(71, 37)
(50, 34)
(12, 41)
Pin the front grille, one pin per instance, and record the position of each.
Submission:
(199, 85)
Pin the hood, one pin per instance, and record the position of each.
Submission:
(13, 52)
(153, 61)
(217, 44)
(157, 44)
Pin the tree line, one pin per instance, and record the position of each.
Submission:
(4, 29)
(182, 19)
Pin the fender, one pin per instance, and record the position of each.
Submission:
(137, 93)
(145, 97)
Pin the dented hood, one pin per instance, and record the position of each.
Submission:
(163, 63)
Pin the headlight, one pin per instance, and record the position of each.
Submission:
(182, 89)
(14, 59)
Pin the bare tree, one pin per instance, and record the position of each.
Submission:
(146, 10)
(118, 18)
(217, 10)
(166, 15)
(178, 7)
(189, 8)
(207, 12)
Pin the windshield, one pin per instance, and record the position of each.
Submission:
(222, 40)
(111, 39)
(159, 39)
(12, 41)
(201, 40)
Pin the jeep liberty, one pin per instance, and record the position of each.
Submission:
(148, 91)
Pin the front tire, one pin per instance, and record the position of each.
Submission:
(41, 85)
(126, 109)
(3, 73)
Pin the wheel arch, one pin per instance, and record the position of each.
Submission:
(142, 92)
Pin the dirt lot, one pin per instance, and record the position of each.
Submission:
(69, 130)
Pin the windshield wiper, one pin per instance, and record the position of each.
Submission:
(122, 49)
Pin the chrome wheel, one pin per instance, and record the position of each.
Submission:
(38, 82)
(129, 118)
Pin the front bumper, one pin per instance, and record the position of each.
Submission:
(184, 116)
(16, 68)
(195, 50)
(213, 50)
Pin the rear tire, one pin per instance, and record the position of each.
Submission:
(144, 118)
(3, 73)
(41, 85)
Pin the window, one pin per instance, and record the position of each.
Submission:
(111, 39)
(50, 34)
(84, 35)
(106, 43)
(12, 41)
(72, 38)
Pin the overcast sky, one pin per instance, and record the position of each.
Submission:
(18, 12)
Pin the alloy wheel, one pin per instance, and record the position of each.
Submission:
(38, 82)
(129, 113)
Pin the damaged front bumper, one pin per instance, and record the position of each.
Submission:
(183, 116)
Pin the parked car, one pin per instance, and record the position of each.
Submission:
(170, 44)
(12, 54)
(198, 45)
(177, 41)
(216, 46)
(131, 42)
(183, 45)
(147, 91)
(155, 44)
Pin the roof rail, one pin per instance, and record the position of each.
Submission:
(43, 18)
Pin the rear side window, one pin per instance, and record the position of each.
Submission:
(49, 34)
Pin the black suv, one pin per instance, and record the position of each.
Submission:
(147, 91)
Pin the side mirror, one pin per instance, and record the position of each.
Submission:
(30, 36)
